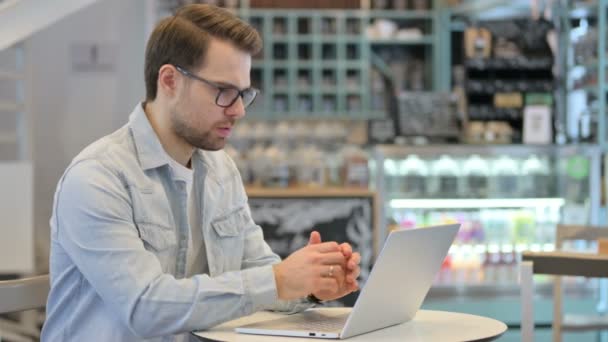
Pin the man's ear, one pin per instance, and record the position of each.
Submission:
(168, 80)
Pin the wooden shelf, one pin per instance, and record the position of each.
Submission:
(568, 263)
(309, 192)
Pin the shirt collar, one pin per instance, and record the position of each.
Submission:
(149, 150)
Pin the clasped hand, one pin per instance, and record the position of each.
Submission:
(327, 270)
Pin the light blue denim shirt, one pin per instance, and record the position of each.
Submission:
(119, 239)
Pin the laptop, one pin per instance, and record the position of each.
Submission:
(393, 293)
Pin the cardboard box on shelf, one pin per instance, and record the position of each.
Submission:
(478, 42)
(508, 100)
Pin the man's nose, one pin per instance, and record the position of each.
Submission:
(237, 109)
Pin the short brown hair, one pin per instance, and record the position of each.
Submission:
(183, 38)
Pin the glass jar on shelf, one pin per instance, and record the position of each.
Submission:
(258, 164)
(392, 176)
(445, 178)
(476, 172)
(536, 177)
(333, 172)
(241, 164)
(244, 137)
(309, 166)
(301, 133)
(413, 173)
(505, 177)
(278, 168)
(355, 168)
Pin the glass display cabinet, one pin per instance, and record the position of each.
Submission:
(507, 198)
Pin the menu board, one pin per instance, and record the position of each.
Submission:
(287, 222)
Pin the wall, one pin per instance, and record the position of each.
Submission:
(70, 109)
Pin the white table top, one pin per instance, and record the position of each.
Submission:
(427, 326)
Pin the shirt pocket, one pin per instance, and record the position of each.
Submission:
(157, 238)
(229, 238)
(152, 216)
(162, 242)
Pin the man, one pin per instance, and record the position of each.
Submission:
(151, 232)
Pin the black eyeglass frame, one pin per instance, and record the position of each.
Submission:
(220, 88)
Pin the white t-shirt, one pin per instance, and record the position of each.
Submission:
(196, 259)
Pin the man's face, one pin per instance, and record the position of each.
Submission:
(195, 116)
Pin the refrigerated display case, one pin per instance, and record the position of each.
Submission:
(508, 198)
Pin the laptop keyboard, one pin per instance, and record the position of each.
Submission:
(311, 321)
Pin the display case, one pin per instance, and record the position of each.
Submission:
(507, 198)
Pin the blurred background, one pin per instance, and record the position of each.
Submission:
(373, 115)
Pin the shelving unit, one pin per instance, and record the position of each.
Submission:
(489, 79)
(411, 60)
(305, 48)
(316, 63)
(583, 49)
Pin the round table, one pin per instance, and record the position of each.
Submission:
(427, 326)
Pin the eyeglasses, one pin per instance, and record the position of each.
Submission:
(226, 96)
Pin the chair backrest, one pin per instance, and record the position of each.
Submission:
(577, 232)
(24, 294)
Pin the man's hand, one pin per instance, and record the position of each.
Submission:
(345, 274)
(307, 271)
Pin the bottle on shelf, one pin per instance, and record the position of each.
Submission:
(492, 262)
(524, 225)
(507, 271)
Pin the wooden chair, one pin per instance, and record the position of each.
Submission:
(560, 263)
(21, 295)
